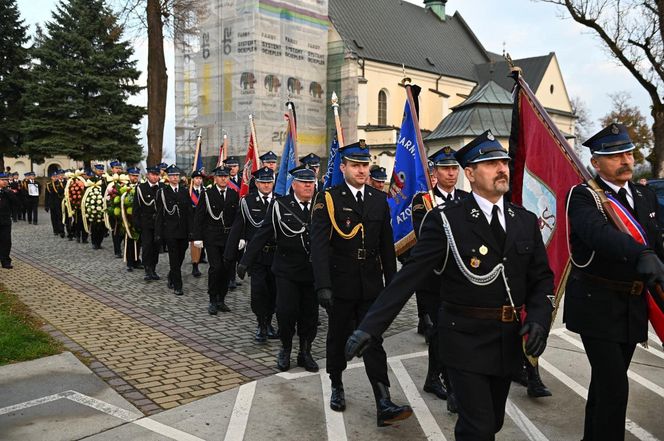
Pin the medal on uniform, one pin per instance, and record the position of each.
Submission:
(484, 250)
(347, 222)
(474, 262)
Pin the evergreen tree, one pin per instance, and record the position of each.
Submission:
(79, 83)
(13, 62)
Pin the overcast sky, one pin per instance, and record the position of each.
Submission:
(525, 28)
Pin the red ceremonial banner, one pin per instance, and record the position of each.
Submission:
(543, 175)
(250, 165)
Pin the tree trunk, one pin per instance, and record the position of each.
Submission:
(2, 163)
(157, 83)
(658, 132)
(87, 164)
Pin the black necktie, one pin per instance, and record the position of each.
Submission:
(622, 197)
(305, 208)
(360, 201)
(265, 201)
(448, 198)
(222, 194)
(496, 228)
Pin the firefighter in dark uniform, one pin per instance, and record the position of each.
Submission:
(15, 187)
(53, 195)
(446, 170)
(144, 214)
(377, 177)
(172, 225)
(214, 217)
(312, 161)
(132, 248)
(32, 189)
(268, 160)
(196, 191)
(605, 294)
(287, 224)
(353, 254)
(481, 246)
(117, 232)
(249, 219)
(234, 176)
(7, 200)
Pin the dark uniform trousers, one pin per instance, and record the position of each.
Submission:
(53, 201)
(263, 288)
(600, 306)
(296, 301)
(33, 208)
(354, 269)
(172, 225)
(7, 202)
(132, 251)
(214, 234)
(263, 284)
(117, 234)
(480, 354)
(143, 218)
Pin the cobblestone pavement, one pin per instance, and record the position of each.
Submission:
(156, 349)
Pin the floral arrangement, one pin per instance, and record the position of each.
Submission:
(127, 194)
(93, 204)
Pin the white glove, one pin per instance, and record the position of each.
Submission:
(241, 244)
(198, 243)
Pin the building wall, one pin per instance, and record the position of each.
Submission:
(387, 77)
(22, 165)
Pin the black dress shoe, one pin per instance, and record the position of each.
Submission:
(138, 266)
(194, 270)
(148, 278)
(283, 359)
(261, 332)
(338, 399)
(130, 269)
(536, 387)
(155, 276)
(212, 309)
(223, 307)
(387, 413)
(8, 266)
(304, 358)
(118, 255)
(170, 285)
(71, 239)
(178, 292)
(271, 333)
(62, 235)
(433, 385)
(232, 285)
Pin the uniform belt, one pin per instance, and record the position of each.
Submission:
(359, 253)
(227, 230)
(269, 248)
(505, 314)
(623, 287)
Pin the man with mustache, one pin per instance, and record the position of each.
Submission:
(481, 246)
(605, 298)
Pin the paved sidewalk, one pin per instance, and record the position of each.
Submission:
(157, 350)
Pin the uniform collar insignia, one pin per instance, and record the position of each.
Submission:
(510, 211)
(343, 193)
(638, 192)
(475, 213)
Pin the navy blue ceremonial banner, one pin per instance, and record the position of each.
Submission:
(408, 178)
(333, 175)
(288, 162)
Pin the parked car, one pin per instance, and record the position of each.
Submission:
(657, 185)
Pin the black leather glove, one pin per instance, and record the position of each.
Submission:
(241, 271)
(536, 338)
(651, 268)
(356, 344)
(46, 209)
(325, 297)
